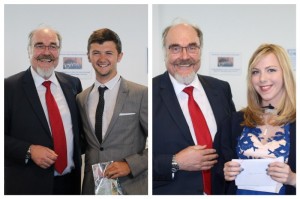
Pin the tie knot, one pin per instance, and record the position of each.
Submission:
(101, 90)
(188, 90)
(47, 84)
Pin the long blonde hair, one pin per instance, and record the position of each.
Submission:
(286, 110)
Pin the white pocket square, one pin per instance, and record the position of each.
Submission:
(124, 114)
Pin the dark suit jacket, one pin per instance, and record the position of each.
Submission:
(26, 124)
(229, 133)
(171, 134)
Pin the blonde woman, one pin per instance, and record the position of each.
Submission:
(266, 128)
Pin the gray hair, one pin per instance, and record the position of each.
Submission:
(178, 21)
(30, 35)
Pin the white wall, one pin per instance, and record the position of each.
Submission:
(228, 28)
(76, 23)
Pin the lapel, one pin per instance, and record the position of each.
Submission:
(85, 115)
(169, 98)
(34, 100)
(212, 94)
(69, 94)
(121, 99)
(292, 155)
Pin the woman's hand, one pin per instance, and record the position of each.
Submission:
(231, 170)
(281, 172)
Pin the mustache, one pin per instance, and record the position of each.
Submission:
(49, 57)
(189, 62)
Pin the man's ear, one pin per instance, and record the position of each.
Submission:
(88, 57)
(120, 56)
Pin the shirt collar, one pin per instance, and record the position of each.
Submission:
(110, 84)
(178, 87)
(38, 80)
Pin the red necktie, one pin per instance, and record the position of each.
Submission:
(57, 128)
(202, 133)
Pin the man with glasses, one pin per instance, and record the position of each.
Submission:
(188, 109)
(42, 151)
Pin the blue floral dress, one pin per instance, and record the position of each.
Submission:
(251, 145)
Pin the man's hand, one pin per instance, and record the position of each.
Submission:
(42, 156)
(196, 158)
(117, 169)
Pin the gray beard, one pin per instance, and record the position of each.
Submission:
(46, 74)
(185, 79)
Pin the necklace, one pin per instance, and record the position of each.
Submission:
(267, 127)
(269, 111)
(265, 131)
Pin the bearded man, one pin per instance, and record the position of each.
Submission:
(42, 131)
(184, 162)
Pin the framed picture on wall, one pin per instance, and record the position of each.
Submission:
(292, 55)
(225, 64)
(75, 64)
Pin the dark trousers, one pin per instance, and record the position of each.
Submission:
(65, 185)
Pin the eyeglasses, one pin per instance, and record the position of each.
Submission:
(51, 47)
(191, 49)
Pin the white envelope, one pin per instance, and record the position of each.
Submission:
(254, 176)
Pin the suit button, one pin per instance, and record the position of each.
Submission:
(101, 148)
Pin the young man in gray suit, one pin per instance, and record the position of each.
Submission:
(119, 131)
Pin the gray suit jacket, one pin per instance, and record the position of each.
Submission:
(125, 138)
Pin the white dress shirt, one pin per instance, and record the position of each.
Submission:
(110, 98)
(63, 109)
(202, 101)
